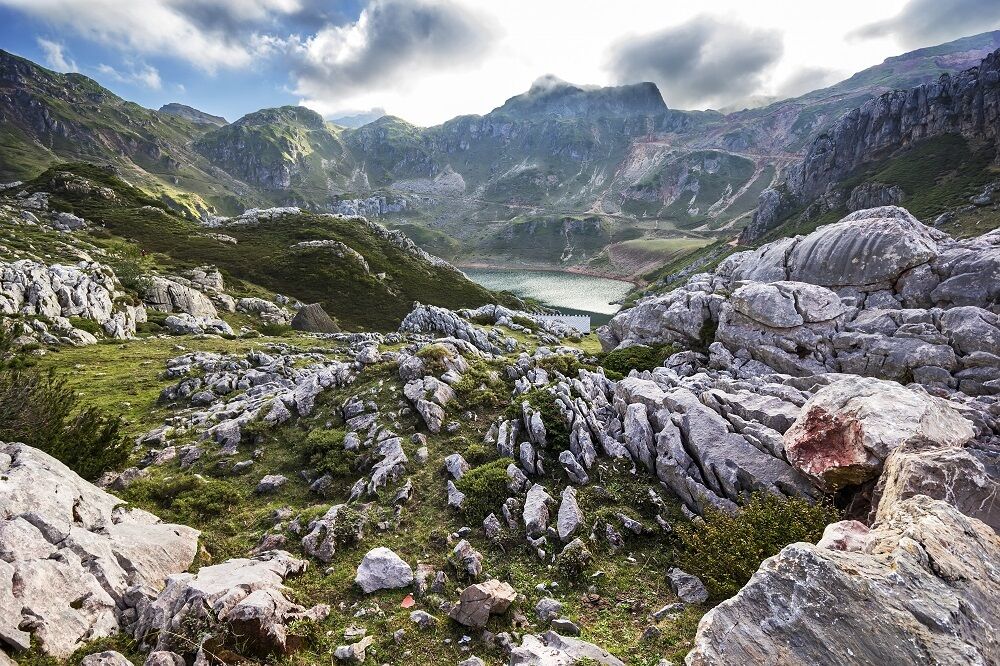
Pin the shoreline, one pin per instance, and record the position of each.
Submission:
(547, 269)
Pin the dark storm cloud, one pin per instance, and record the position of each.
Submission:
(928, 22)
(391, 38)
(705, 62)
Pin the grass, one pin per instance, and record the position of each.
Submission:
(265, 257)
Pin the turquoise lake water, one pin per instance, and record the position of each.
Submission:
(570, 293)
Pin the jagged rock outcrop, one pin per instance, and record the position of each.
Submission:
(967, 103)
(87, 290)
(239, 605)
(876, 294)
(168, 295)
(923, 590)
(71, 554)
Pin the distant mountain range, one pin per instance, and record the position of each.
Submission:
(580, 175)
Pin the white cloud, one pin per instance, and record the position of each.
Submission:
(136, 74)
(158, 27)
(55, 56)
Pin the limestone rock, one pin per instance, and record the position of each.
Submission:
(551, 649)
(481, 600)
(382, 569)
(847, 429)
(313, 318)
(923, 591)
(63, 540)
(239, 604)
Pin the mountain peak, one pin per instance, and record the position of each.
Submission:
(192, 114)
(550, 95)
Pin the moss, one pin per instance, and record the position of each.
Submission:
(88, 325)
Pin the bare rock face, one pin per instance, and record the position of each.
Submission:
(239, 605)
(954, 475)
(923, 591)
(847, 430)
(481, 600)
(314, 319)
(168, 295)
(551, 649)
(70, 553)
(382, 569)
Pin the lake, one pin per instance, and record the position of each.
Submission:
(570, 293)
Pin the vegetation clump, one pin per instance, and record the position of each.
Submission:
(636, 357)
(727, 549)
(556, 428)
(485, 488)
(39, 409)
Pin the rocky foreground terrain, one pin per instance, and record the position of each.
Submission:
(480, 486)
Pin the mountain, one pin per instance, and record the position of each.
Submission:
(356, 120)
(659, 180)
(193, 114)
(930, 146)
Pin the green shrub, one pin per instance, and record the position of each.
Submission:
(567, 364)
(478, 454)
(574, 559)
(636, 357)
(188, 498)
(433, 356)
(482, 388)
(323, 450)
(485, 489)
(726, 550)
(126, 260)
(553, 418)
(40, 410)
(275, 330)
(88, 325)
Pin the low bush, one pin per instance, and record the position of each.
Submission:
(323, 451)
(636, 357)
(553, 418)
(433, 356)
(485, 489)
(88, 325)
(40, 410)
(726, 549)
(482, 388)
(567, 364)
(275, 330)
(573, 561)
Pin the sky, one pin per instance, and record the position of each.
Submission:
(430, 60)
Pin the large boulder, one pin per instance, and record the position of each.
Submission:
(168, 295)
(954, 475)
(70, 553)
(481, 600)
(238, 605)
(313, 318)
(382, 569)
(923, 591)
(848, 428)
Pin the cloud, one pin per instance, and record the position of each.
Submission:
(391, 41)
(807, 79)
(136, 74)
(704, 62)
(55, 57)
(928, 22)
(162, 27)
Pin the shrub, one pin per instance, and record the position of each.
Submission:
(485, 489)
(211, 500)
(40, 410)
(636, 357)
(88, 325)
(481, 388)
(433, 356)
(553, 418)
(126, 261)
(323, 450)
(567, 364)
(478, 454)
(573, 560)
(726, 549)
(275, 330)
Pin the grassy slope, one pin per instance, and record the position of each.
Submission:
(264, 256)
